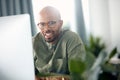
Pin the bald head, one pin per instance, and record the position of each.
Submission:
(50, 24)
(49, 13)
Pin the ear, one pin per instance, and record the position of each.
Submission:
(61, 23)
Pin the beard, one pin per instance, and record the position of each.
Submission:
(49, 40)
(51, 36)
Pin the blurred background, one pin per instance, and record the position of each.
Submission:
(96, 21)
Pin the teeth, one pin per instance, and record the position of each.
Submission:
(48, 34)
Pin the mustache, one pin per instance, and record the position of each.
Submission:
(49, 31)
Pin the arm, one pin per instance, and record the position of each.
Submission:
(76, 56)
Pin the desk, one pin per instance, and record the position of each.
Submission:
(54, 77)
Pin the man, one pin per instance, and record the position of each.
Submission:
(54, 47)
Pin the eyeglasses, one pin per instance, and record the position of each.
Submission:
(50, 24)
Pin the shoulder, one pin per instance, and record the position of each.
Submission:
(37, 39)
(69, 33)
(71, 36)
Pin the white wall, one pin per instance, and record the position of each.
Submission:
(114, 6)
(104, 20)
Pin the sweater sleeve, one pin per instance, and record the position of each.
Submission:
(75, 47)
(76, 55)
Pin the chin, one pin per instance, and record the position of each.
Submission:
(50, 40)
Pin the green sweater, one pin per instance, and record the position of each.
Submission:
(55, 58)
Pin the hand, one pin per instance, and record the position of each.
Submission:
(37, 78)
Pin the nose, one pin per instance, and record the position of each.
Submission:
(46, 28)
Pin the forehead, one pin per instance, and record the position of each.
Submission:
(48, 14)
(47, 17)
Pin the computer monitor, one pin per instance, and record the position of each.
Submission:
(16, 55)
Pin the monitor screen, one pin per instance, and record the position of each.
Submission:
(16, 55)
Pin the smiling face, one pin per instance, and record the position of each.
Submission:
(50, 24)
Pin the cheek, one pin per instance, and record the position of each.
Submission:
(57, 31)
(41, 31)
(58, 27)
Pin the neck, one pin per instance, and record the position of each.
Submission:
(56, 40)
